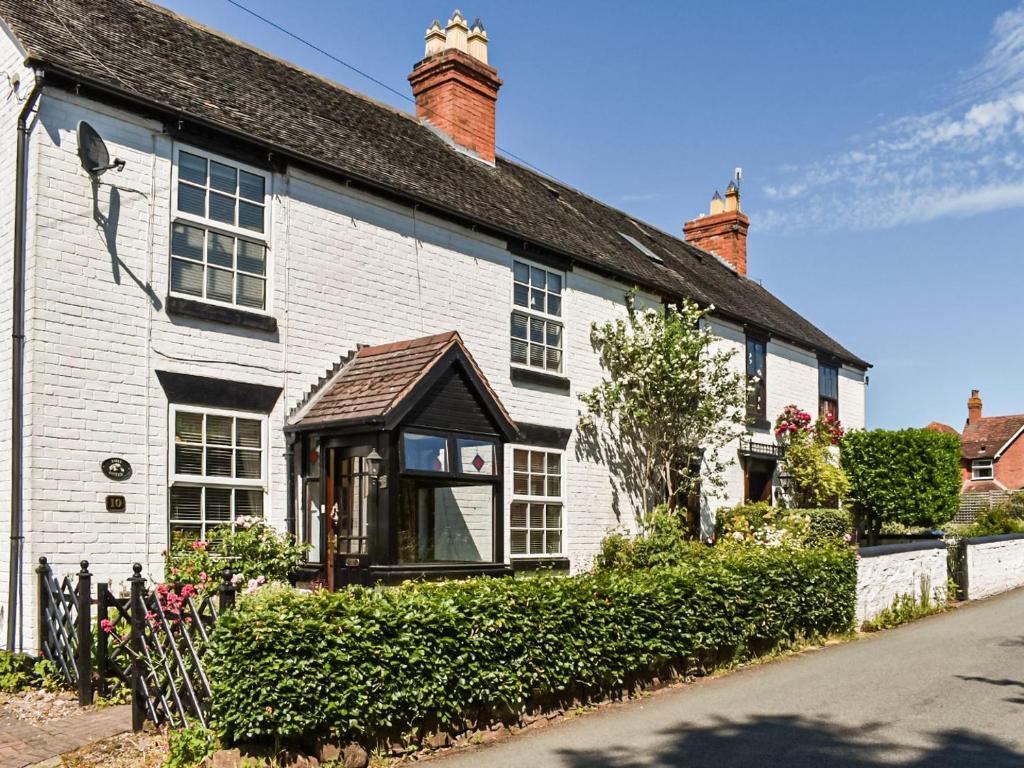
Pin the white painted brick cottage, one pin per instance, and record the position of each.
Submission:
(295, 302)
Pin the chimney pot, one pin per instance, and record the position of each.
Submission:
(974, 407)
(724, 231)
(456, 90)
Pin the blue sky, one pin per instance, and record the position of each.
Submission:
(882, 146)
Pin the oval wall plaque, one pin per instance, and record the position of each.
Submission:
(117, 468)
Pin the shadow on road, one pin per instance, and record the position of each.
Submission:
(796, 742)
(1001, 682)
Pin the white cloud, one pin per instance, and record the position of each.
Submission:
(959, 161)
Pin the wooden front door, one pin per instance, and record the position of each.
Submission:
(351, 495)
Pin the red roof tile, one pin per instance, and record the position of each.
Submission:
(378, 379)
(982, 439)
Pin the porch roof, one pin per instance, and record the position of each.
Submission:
(379, 384)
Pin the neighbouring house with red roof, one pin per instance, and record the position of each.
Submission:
(992, 452)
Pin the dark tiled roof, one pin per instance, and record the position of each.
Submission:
(166, 61)
(377, 380)
(982, 439)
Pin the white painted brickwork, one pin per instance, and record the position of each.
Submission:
(883, 578)
(345, 269)
(994, 567)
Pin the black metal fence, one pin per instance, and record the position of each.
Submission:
(150, 642)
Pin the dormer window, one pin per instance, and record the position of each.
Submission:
(982, 469)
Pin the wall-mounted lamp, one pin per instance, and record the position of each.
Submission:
(374, 463)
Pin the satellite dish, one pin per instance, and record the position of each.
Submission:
(93, 153)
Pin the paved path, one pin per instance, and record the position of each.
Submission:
(23, 743)
(945, 691)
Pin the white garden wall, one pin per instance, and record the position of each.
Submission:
(994, 564)
(886, 572)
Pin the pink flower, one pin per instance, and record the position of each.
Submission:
(107, 626)
(269, 710)
(199, 546)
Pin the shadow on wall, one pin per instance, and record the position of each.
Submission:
(107, 223)
(798, 742)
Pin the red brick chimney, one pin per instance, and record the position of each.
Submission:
(455, 88)
(974, 407)
(723, 232)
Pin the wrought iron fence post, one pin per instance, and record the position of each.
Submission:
(226, 592)
(84, 661)
(102, 641)
(43, 574)
(137, 614)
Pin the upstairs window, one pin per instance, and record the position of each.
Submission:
(219, 232)
(537, 317)
(828, 390)
(757, 383)
(982, 469)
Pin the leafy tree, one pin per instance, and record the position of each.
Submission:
(671, 401)
(910, 476)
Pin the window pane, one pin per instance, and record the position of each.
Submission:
(521, 295)
(554, 305)
(554, 543)
(536, 331)
(252, 257)
(218, 430)
(218, 462)
(521, 483)
(554, 360)
(186, 277)
(554, 283)
(536, 461)
(537, 356)
(251, 186)
(251, 291)
(192, 167)
(187, 241)
(536, 542)
(538, 277)
(222, 208)
(476, 457)
(519, 326)
(220, 285)
(517, 517)
(518, 542)
(250, 216)
(537, 300)
(188, 427)
(218, 505)
(521, 272)
(248, 433)
(221, 250)
(537, 485)
(188, 460)
(191, 199)
(520, 460)
(554, 335)
(554, 516)
(223, 177)
(186, 503)
(554, 486)
(554, 464)
(425, 452)
(520, 352)
(248, 464)
(536, 515)
(248, 502)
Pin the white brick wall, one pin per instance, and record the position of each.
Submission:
(884, 577)
(345, 269)
(994, 566)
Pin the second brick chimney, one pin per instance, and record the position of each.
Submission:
(974, 407)
(456, 89)
(723, 231)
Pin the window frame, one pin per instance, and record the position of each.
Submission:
(520, 498)
(547, 317)
(263, 238)
(176, 479)
(822, 398)
(988, 464)
(760, 416)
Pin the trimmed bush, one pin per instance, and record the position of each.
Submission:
(762, 523)
(828, 525)
(910, 476)
(372, 664)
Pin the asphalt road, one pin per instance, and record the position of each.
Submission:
(944, 691)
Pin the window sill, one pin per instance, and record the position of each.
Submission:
(541, 378)
(551, 563)
(215, 313)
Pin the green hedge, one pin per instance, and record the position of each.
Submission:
(910, 476)
(368, 664)
(828, 525)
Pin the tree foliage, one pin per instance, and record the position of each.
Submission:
(816, 479)
(910, 476)
(669, 403)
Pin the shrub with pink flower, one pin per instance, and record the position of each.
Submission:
(792, 421)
